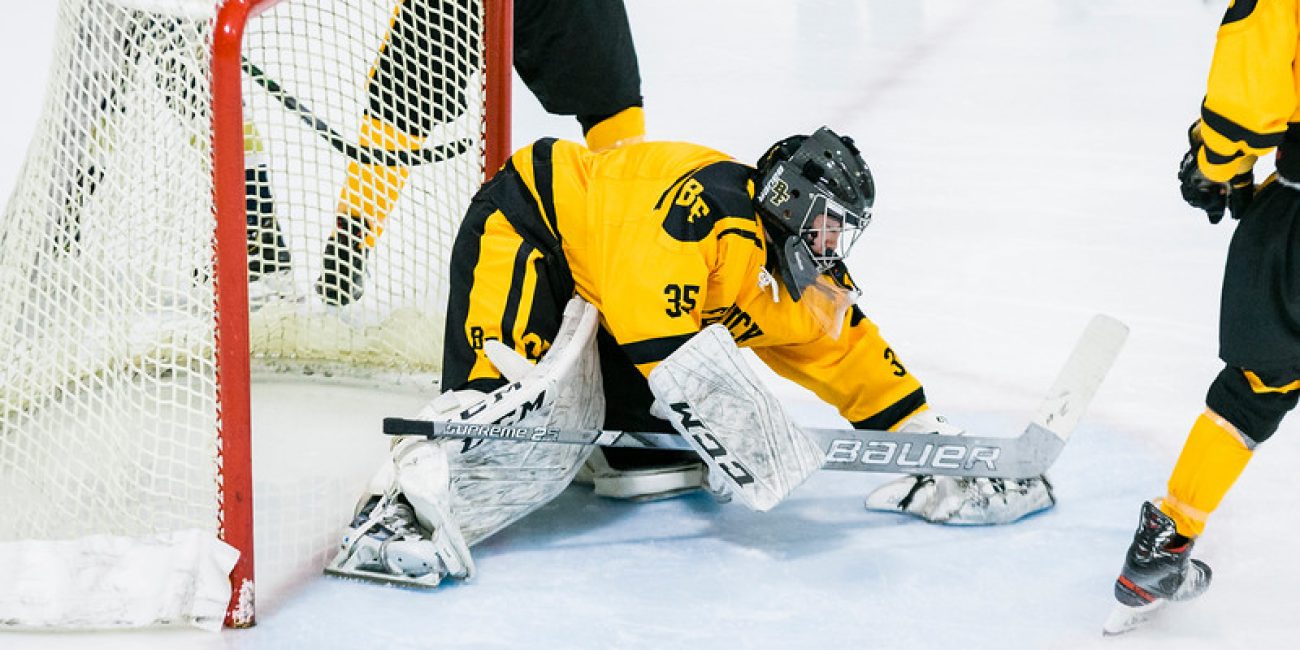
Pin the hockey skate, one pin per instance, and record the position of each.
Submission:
(343, 272)
(643, 475)
(1157, 569)
(404, 532)
(386, 543)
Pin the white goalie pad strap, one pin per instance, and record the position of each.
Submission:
(497, 483)
(711, 396)
(106, 581)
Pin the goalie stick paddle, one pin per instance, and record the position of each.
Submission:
(861, 450)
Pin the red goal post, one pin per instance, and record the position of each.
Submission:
(230, 264)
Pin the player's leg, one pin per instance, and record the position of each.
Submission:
(1244, 408)
(1260, 384)
(578, 59)
(502, 286)
(419, 517)
(418, 81)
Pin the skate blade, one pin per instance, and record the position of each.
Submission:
(429, 581)
(648, 486)
(344, 566)
(1123, 618)
(662, 496)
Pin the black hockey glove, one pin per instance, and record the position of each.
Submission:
(1241, 191)
(1199, 191)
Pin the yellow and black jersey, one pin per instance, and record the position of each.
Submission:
(1254, 84)
(663, 239)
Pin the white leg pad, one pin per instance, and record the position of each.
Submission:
(496, 483)
(709, 394)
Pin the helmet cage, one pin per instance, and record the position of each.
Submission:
(829, 231)
(816, 194)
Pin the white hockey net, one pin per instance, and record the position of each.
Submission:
(361, 156)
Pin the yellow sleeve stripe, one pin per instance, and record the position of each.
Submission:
(1221, 169)
(1230, 148)
(1258, 386)
(1232, 136)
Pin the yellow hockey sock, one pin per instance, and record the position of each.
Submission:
(622, 128)
(371, 190)
(252, 141)
(1212, 458)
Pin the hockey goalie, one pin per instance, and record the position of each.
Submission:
(613, 290)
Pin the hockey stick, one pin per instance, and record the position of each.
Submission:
(859, 450)
(363, 155)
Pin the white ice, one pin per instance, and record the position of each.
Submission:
(1024, 152)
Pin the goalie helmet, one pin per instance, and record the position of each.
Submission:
(814, 195)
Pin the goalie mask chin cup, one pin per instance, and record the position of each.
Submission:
(815, 195)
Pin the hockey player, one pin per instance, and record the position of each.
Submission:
(677, 255)
(1250, 107)
(577, 58)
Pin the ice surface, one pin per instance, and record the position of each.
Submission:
(1024, 152)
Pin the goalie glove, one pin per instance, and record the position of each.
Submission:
(959, 500)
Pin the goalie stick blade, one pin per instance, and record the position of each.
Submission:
(860, 450)
(384, 578)
(1025, 456)
(1082, 375)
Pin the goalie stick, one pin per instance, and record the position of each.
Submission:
(861, 450)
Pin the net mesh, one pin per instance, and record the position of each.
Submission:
(363, 145)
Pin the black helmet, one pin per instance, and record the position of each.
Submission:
(814, 194)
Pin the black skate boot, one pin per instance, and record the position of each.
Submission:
(343, 274)
(267, 252)
(1158, 568)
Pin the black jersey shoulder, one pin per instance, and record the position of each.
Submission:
(1238, 10)
(699, 199)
